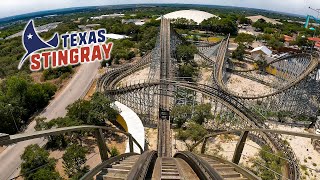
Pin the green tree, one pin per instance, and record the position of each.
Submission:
(275, 43)
(191, 134)
(239, 52)
(301, 41)
(73, 159)
(54, 73)
(79, 111)
(244, 20)
(245, 38)
(186, 52)
(180, 114)
(183, 23)
(189, 71)
(46, 174)
(101, 110)
(19, 99)
(114, 152)
(37, 164)
(270, 161)
(224, 25)
(94, 112)
(202, 112)
(261, 24)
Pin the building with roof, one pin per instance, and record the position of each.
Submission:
(288, 38)
(88, 27)
(260, 52)
(195, 15)
(138, 22)
(116, 36)
(106, 16)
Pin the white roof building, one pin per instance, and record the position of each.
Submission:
(263, 49)
(116, 36)
(259, 52)
(195, 15)
(107, 16)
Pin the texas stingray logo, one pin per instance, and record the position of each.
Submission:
(33, 43)
(76, 48)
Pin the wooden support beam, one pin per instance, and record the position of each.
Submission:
(239, 148)
(131, 143)
(103, 149)
(203, 147)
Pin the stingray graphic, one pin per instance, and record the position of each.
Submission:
(32, 42)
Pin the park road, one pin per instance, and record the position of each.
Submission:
(10, 158)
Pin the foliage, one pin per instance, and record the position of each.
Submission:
(19, 99)
(188, 71)
(186, 52)
(224, 25)
(73, 159)
(49, 74)
(264, 37)
(301, 41)
(114, 152)
(198, 114)
(275, 43)
(46, 174)
(193, 133)
(270, 161)
(183, 23)
(244, 38)
(202, 112)
(180, 114)
(94, 112)
(244, 20)
(37, 164)
(122, 50)
(187, 67)
(261, 24)
(239, 52)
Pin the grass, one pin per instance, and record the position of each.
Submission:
(212, 39)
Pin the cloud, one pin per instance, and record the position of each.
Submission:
(15, 7)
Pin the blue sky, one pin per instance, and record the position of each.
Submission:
(15, 7)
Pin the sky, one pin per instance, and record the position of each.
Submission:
(16, 7)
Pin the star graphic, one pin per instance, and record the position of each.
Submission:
(30, 36)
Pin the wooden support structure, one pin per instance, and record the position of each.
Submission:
(239, 148)
(103, 149)
(203, 147)
(131, 143)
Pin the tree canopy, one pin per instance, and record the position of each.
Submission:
(19, 99)
(37, 164)
(245, 38)
(73, 159)
(224, 25)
